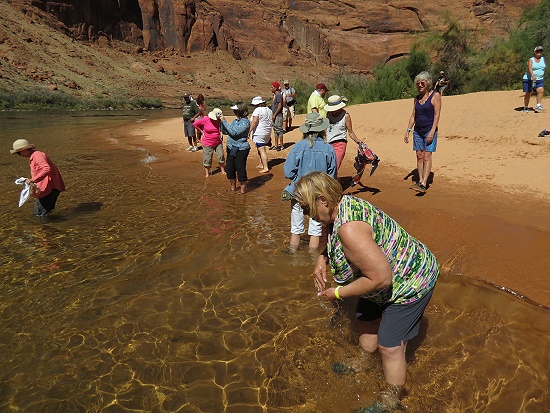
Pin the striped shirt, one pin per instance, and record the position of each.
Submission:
(414, 268)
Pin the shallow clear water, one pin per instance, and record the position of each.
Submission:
(154, 294)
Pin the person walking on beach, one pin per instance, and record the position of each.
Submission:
(46, 182)
(312, 153)
(260, 130)
(371, 257)
(424, 119)
(442, 83)
(211, 140)
(237, 146)
(289, 95)
(277, 109)
(316, 103)
(190, 112)
(339, 128)
(533, 79)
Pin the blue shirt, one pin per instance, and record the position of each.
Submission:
(237, 134)
(302, 159)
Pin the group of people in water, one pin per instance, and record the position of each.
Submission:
(372, 258)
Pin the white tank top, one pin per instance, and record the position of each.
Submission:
(337, 130)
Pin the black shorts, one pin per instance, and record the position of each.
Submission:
(400, 322)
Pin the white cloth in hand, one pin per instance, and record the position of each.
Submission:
(26, 192)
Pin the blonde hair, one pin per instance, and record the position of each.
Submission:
(426, 77)
(310, 136)
(315, 184)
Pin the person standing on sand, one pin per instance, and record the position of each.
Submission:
(277, 109)
(312, 153)
(424, 118)
(260, 130)
(211, 140)
(533, 79)
(46, 181)
(316, 103)
(371, 257)
(339, 127)
(237, 146)
(190, 112)
(201, 114)
(289, 94)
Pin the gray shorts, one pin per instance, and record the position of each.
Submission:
(208, 152)
(278, 125)
(400, 322)
(188, 129)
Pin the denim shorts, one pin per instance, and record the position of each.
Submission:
(528, 85)
(419, 143)
(400, 322)
(188, 129)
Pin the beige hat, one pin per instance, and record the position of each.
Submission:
(286, 82)
(314, 123)
(335, 102)
(215, 114)
(20, 145)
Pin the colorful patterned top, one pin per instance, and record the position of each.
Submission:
(415, 269)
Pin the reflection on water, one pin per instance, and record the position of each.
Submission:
(150, 294)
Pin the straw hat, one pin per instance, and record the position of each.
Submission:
(20, 145)
(257, 100)
(314, 123)
(335, 102)
(215, 114)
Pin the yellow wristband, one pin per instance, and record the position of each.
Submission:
(336, 294)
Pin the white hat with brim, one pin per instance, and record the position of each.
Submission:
(335, 102)
(234, 107)
(20, 145)
(539, 48)
(314, 123)
(215, 114)
(257, 101)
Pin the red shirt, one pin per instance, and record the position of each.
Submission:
(45, 174)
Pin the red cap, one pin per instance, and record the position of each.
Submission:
(276, 85)
(321, 86)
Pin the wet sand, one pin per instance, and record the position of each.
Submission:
(486, 214)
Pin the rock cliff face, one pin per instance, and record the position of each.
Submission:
(351, 34)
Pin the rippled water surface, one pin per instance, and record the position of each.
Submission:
(145, 293)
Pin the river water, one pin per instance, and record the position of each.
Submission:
(146, 293)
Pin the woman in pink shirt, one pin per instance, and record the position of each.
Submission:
(211, 140)
(46, 181)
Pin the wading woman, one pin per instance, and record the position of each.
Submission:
(373, 258)
(424, 119)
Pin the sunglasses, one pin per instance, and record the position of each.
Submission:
(421, 83)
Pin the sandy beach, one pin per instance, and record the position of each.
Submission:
(486, 214)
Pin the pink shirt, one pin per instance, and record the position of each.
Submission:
(45, 174)
(211, 131)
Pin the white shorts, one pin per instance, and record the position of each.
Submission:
(297, 222)
(288, 111)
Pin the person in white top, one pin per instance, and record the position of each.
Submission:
(339, 127)
(260, 130)
(289, 93)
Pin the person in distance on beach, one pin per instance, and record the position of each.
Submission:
(260, 130)
(190, 112)
(533, 79)
(316, 102)
(289, 94)
(238, 147)
(371, 257)
(312, 153)
(277, 109)
(424, 119)
(46, 181)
